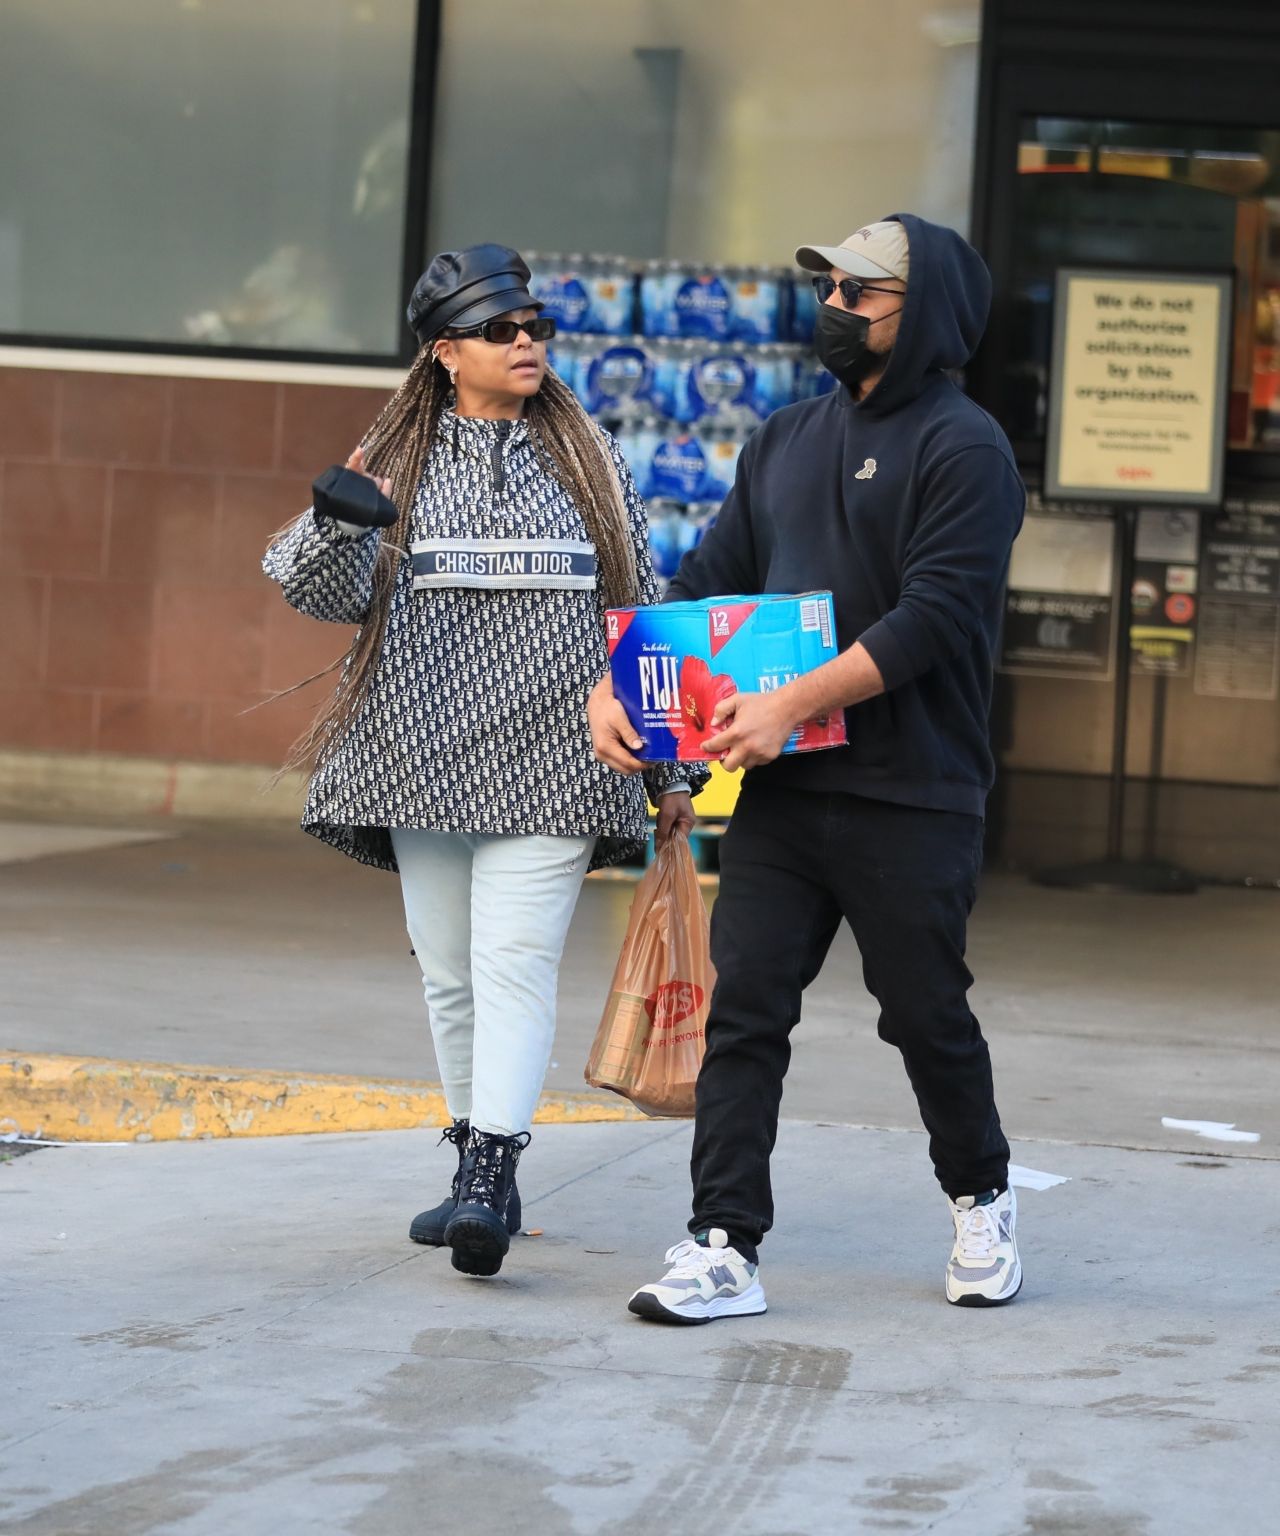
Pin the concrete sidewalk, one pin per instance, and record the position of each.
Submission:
(261, 949)
(237, 1336)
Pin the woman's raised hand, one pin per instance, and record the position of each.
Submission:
(338, 494)
(356, 462)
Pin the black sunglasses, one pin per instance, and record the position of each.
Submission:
(851, 289)
(504, 332)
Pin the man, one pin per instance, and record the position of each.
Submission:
(902, 496)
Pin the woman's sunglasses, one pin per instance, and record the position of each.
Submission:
(504, 332)
(851, 289)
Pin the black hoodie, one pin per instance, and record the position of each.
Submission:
(905, 505)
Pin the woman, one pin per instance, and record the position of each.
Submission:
(456, 748)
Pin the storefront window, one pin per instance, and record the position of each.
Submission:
(721, 131)
(1158, 196)
(658, 162)
(205, 172)
(229, 174)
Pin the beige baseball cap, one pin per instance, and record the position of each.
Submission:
(875, 250)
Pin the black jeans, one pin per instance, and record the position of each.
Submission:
(792, 864)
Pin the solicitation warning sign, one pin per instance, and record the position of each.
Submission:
(1138, 399)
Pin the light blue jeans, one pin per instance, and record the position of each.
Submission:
(488, 916)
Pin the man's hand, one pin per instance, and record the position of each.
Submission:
(613, 737)
(752, 729)
(675, 814)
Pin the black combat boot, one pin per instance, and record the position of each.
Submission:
(428, 1227)
(479, 1229)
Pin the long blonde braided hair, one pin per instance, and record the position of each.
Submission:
(396, 448)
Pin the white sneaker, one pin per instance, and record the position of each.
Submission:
(705, 1281)
(984, 1270)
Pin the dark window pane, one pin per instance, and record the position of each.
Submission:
(205, 171)
(1153, 195)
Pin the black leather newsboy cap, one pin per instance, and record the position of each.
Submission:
(466, 288)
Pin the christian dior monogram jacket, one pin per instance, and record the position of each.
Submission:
(475, 720)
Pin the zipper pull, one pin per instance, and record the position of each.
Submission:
(495, 456)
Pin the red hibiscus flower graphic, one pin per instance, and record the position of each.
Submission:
(700, 694)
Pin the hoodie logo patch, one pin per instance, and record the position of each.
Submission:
(867, 470)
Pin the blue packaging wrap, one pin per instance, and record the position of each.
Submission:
(674, 663)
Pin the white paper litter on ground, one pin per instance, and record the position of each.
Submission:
(12, 1140)
(1033, 1178)
(1211, 1130)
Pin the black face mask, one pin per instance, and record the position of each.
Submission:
(842, 342)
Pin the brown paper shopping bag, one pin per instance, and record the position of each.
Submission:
(651, 1039)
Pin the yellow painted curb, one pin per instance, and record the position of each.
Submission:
(88, 1098)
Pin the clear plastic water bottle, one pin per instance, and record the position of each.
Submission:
(563, 352)
(757, 305)
(704, 304)
(689, 531)
(679, 466)
(722, 448)
(638, 438)
(775, 383)
(804, 309)
(588, 349)
(814, 380)
(619, 378)
(687, 356)
(611, 283)
(666, 545)
(700, 517)
(665, 356)
(721, 384)
(658, 284)
(786, 302)
(561, 289)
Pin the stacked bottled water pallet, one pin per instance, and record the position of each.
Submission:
(681, 362)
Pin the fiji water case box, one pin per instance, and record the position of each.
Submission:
(674, 663)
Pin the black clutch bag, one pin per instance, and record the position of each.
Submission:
(351, 498)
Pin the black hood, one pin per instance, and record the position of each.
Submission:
(943, 315)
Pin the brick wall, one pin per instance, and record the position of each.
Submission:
(134, 616)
